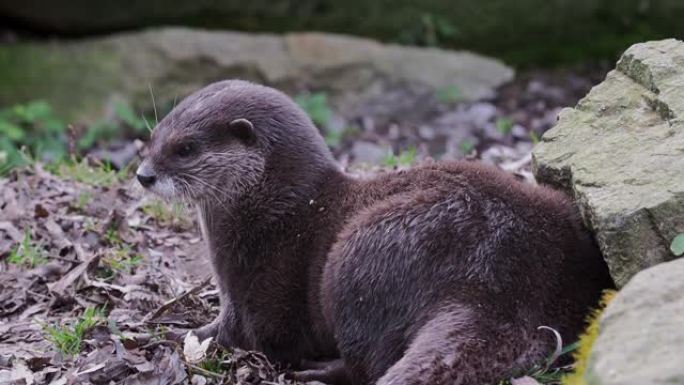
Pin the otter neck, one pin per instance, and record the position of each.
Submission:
(247, 230)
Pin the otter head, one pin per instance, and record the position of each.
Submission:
(220, 142)
(206, 149)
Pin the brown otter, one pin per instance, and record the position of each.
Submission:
(440, 274)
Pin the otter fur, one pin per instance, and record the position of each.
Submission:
(440, 274)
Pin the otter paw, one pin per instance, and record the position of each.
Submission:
(328, 372)
(206, 331)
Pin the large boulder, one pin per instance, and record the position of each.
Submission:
(620, 152)
(641, 340)
(78, 77)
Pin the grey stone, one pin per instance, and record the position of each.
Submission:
(118, 153)
(520, 132)
(499, 154)
(620, 152)
(368, 152)
(481, 113)
(490, 131)
(641, 339)
(426, 132)
(78, 77)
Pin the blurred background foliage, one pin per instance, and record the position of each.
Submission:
(65, 93)
(521, 32)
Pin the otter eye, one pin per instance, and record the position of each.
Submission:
(185, 150)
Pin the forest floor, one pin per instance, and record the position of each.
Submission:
(99, 281)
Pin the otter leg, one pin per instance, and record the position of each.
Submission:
(328, 372)
(208, 330)
(309, 364)
(462, 348)
(223, 328)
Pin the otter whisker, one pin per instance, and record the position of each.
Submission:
(147, 124)
(214, 191)
(154, 104)
(185, 191)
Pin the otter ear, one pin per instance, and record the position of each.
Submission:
(243, 130)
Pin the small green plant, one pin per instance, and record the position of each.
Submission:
(81, 171)
(27, 253)
(98, 131)
(32, 131)
(68, 339)
(677, 245)
(334, 138)
(316, 106)
(158, 333)
(466, 146)
(32, 128)
(437, 29)
(125, 114)
(214, 361)
(109, 128)
(166, 214)
(432, 30)
(449, 95)
(112, 237)
(504, 125)
(83, 198)
(89, 225)
(119, 259)
(404, 159)
(534, 137)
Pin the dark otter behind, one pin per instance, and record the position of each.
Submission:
(441, 274)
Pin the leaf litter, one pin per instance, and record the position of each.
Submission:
(122, 280)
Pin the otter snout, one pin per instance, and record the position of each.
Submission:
(145, 175)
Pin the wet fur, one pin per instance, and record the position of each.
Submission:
(436, 275)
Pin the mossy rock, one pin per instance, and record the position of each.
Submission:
(620, 152)
(73, 77)
(80, 77)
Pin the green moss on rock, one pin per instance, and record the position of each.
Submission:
(80, 77)
(72, 78)
(619, 152)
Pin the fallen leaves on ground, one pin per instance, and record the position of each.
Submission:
(137, 261)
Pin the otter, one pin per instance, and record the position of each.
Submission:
(439, 274)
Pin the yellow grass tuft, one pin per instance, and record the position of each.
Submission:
(586, 342)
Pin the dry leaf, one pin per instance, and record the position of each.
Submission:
(20, 373)
(193, 350)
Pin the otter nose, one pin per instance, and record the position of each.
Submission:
(145, 174)
(146, 180)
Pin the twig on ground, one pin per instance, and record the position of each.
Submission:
(204, 371)
(59, 288)
(171, 302)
